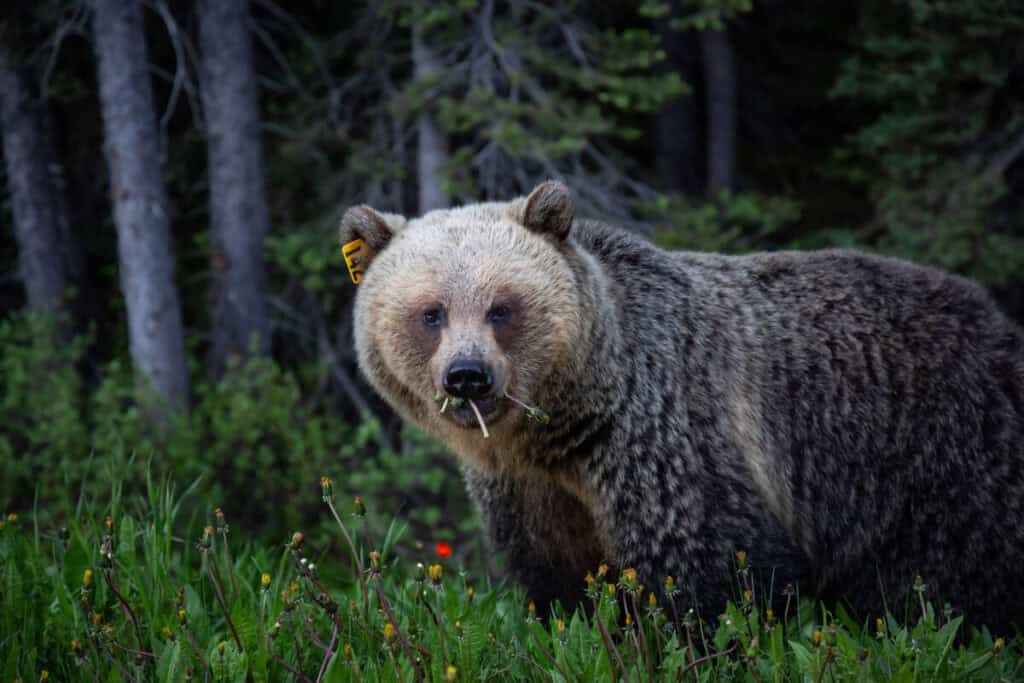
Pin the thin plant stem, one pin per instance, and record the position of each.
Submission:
(115, 662)
(825, 665)
(643, 637)
(551, 658)
(675, 619)
(140, 653)
(355, 559)
(693, 653)
(401, 638)
(480, 419)
(214, 581)
(657, 632)
(230, 563)
(313, 636)
(608, 652)
(707, 658)
(128, 610)
(285, 665)
(608, 641)
(329, 652)
(195, 647)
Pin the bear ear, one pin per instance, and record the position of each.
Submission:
(549, 210)
(364, 232)
(371, 226)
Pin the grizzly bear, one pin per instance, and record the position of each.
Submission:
(848, 421)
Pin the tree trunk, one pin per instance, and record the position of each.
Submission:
(238, 208)
(676, 156)
(720, 83)
(37, 192)
(144, 246)
(432, 145)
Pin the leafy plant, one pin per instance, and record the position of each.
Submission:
(130, 591)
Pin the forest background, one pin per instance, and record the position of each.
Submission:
(172, 300)
(175, 316)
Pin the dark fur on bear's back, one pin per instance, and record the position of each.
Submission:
(849, 421)
(885, 401)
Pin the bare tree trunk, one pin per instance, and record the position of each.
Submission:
(37, 191)
(432, 145)
(676, 157)
(238, 208)
(144, 246)
(720, 81)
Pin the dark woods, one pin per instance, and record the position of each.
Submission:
(174, 171)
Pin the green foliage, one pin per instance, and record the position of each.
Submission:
(546, 88)
(254, 436)
(730, 223)
(702, 15)
(129, 589)
(938, 77)
(41, 408)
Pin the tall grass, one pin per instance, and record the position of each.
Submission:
(128, 590)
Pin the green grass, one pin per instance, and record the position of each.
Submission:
(128, 590)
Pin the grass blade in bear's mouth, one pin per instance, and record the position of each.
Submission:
(480, 419)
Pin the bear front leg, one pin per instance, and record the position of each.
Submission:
(692, 531)
(548, 535)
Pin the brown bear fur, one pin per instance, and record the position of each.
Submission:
(849, 421)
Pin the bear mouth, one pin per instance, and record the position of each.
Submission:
(465, 417)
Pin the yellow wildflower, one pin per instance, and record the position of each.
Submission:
(265, 580)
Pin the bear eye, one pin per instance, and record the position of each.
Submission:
(433, 316)
(499, 313)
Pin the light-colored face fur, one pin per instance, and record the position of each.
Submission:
(487, 283)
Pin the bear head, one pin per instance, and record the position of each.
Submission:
(478, 303)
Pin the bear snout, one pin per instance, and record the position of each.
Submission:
(468, 379)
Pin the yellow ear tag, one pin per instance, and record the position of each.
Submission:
(357, 256)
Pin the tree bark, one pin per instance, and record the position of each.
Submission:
(41, 227)
(144, 246)
(676, 156)
(238, 207)
(432, 144)
(720, 84)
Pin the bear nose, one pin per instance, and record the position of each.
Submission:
(469, 379)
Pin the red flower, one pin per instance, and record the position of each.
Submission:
(443, 550)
